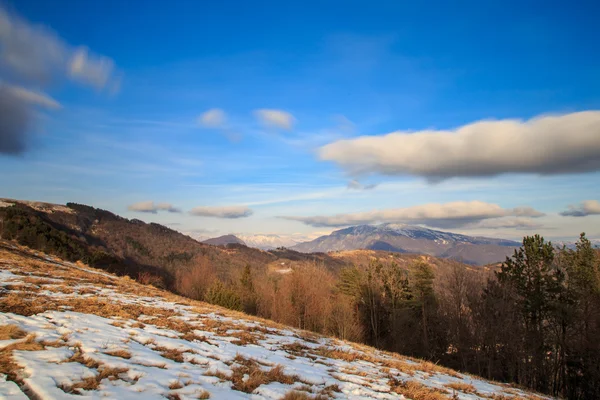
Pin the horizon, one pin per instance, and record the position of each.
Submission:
(302, 120)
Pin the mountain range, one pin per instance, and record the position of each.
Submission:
(398, 238)
(403, 238)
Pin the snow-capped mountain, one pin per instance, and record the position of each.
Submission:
(413, 239)
(269, 241)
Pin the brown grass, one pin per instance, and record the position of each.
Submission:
(297, 395)
(461, 387)
(11, 332)
(337, 354)
(172, 354)
(122, 353)
(175, 385)
(416, 391)
(92, 383)
(256, 376)
(203, 395)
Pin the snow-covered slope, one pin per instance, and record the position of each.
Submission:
(413, 239)
(67, 331)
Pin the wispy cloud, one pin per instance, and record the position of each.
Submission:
(275, 118)
(229, 212)
(448, 215)
(506, 223)
(544, 145)
(150, 207)
(213, 118)
(587, 207)
(356, 185)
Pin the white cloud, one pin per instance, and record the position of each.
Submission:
(40, 56)
(587, 207)
(90, 69)
(275, 118)
(150, 207)
(213, 118)
(33, 97)
(230, 212)
(448, 215)
(545, 145)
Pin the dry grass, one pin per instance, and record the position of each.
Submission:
(256, 376)
(122, 353)
(416, 391)
(92, 383)
(297, 395)
(175, 385)
(338, 354)
(244, 338)
(461, 387)
(203, 395)
(191, 337)
(11, 332)
(172, 354)
(79, 357)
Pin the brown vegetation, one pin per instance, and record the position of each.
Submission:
(11, 332)
(416, 391)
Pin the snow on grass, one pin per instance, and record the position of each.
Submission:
(67, 331)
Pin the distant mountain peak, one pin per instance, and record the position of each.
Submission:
(224, 240)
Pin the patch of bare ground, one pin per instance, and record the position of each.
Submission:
(416, 391)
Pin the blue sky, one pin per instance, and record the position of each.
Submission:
(129, 127)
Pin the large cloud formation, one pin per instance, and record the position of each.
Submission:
(34, 56)
(587, 207)
(275, 118)
(150, 207)
(544, 145)
(448, 215)
(230, 212)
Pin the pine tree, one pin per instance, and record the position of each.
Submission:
(424, 298)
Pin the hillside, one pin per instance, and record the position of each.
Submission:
(70, 331)
(224, 240)
(119, 245)
(413, 239)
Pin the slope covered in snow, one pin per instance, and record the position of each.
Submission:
(68, 331)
